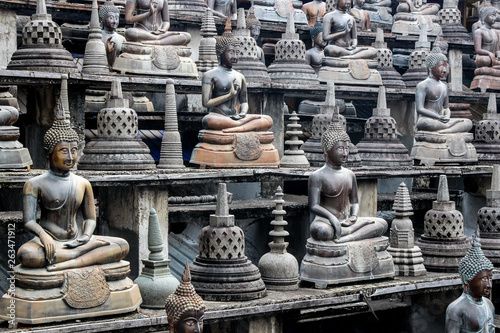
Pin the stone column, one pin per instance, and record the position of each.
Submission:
(455, 78)
(8, 37)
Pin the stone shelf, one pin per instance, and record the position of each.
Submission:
(298, 305)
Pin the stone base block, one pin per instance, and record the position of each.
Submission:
(227, 280)
(381, 17)
(487, 153)
(442, 255)
(350, 75)
(485, 83)
(43, 297)
(383, 153)
(18, 158)
(292, 72)
(235, 150)
(104, 154)
(269, 13)
(405, 28)
(187, 7)
(55, 59)
(253, 70)
(329, 263)
(491, 248)
(156, 60)
(391, 78)
(408, 262)
(431, 148)
(414, 76)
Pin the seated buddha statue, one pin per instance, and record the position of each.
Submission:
(66, 271)
(380, 11)
(487, 48)
(314, 10)
(473, 311)
(224, 8)
(277, 10)
(58, 243)
(439, 138)
(315, 55)
(338, 234)
(151, 48)
(151, 23)
(253, 24)
(109, 15)
(361, 16)
(411, 15)
(224, 94)
(351, 63)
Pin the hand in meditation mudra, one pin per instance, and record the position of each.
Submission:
(224, 93)
(58, 243)
(151, 23)
(333, 195)
(486, 39)
(431, 99)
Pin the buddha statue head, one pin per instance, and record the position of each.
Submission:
(109, 15)
(253, 24)
(335, 144)
(488, 15)
(436, 63)
(185, 308)
(60, 137)
(476, 270)
(316, 33)
(226, 47)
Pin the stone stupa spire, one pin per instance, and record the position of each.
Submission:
(487, 134)
(207, 56)
(294, 156)
(417, 72)
(95, 60)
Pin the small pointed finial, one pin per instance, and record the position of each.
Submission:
(402, 202)
(94, 17)
(116, 90)
(41, 8)
(155, 239)
(495, 178)
(492, 103)
(186, 276)
(329, 106)
(228, 27)
(60, 111)
(380, 35)
(381, 101)
(290, 23)
(443, 193)
(241, 23)
(222, 208)
(423, 43)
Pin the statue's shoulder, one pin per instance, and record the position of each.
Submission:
(79, 179)
(456, 308)
(209, 75)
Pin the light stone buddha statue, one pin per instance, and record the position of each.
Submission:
(361, 16)
(473, 311)
(411, 15)
(224, 8)
(109, 15)
(314, 10)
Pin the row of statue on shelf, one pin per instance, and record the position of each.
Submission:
(68, 272)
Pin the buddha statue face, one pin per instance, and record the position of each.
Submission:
(359, 3)
(344, 5)
(490, 18)
(440, 70)
(338, 154)
(64, 156)
(255, 31)
(480, 285)
(111, 21)
(190, 321)
(229, 57)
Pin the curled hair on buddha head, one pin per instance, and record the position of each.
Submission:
(434, 57)
(107, 7)
(485, 11)
(60, 131)
(334, 133)
(227, 38)
(474, 261)
(252, 19)
(183, 299)
(316, 29)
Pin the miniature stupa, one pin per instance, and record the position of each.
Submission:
(487, 136)
(207, 56)
(294, 157)
(488, 219)
(95, 60)
(417, 71)
(390, 77)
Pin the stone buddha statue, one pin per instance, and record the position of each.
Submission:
(315, 55)
(338, 233)
(487, 48)
(473, 311)
(361, 16)
(411, 16)
(379, 11)
(224, 8)
(439, 137)
(151, 48)
(58, 244)
(224, 94)
(109, 15)
(253, 24)
(277, 10)
(342, 54)
(85, 271)
(314, 10)
(185, 308)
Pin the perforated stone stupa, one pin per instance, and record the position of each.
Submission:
(221, 271)
(117, 145)
(450, 19)
(248, 64)
(328, 112)
(443, 243)
(381, 145)
(290, 65)
(487, 136)
(390, 77)
(417, 72)
(279, 269)
(42, 48)
(408, 260)
(488, 219)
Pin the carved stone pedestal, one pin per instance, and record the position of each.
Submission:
(42, 297)
(278, 13)
(232, 150)
(137, 58)
(486, 79)
(433, 148)
(350, 72)
(327, 262)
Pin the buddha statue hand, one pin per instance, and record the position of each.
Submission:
(445, 117)
(349, 221)
(110, 45)
(49, 245)
(78, 242)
